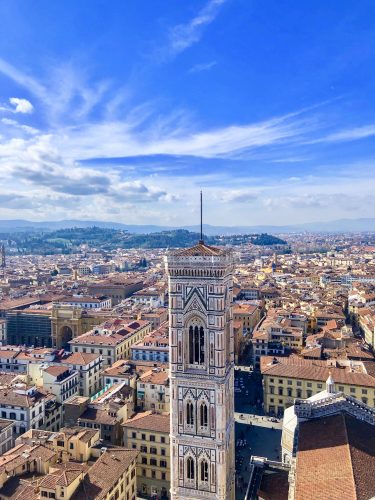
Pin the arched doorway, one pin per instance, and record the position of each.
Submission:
(65, 335)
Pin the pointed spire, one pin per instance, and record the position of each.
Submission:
(201, 242)
(330, 384)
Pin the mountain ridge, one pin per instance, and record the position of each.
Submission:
(339, 225)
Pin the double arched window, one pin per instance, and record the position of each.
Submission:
(189, 413)
(190, 468)
(196, 345)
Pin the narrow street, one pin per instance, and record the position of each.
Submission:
(256, 434)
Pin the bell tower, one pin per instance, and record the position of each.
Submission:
(202, 373)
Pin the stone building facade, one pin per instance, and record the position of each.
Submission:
(201, 371)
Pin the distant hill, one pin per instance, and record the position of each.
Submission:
(69, 240)
(340, 225)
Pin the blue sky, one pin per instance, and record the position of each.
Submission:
(123, 111)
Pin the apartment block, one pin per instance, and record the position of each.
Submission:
(148, 433)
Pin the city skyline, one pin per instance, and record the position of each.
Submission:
(124, 113)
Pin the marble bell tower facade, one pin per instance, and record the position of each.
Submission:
(202, 373)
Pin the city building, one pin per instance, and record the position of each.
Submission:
(152, 297)
(84, 302)
(105, 411)
(118, 288)
(68, 322)
(153, 390)
(154, 346)
(60, 381)
(112, 476)
(29, 327)
(201, 371)
(248, 314)
(69, 443)
(6, 435)
(287, 378)
(148, 433)
(89, 367)
(276, 334)
(111, 340)
(3, 331)
(156, 316)
(120, 371)
(36, 471)
(23, 404)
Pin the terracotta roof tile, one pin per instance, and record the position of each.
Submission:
(322, 445)
(158, 422)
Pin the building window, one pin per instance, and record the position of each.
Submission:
(204, 471)
(204, 415)
(189, 413)
(196, 345)
(152, 438)
(190, 472)
(163, 463)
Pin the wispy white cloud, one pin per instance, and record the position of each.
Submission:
(198, 68)
(23, 79)
(66, 97)
(183, 36)
(119, 139)
(43, 165)
(20, 126)
(352, 134)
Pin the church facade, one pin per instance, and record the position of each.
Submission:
(201, 371)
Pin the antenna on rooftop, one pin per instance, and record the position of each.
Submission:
(2, 260)
(201, 242)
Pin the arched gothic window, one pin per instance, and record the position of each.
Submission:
(190, 466)
(196, 345)
(204, 471)
(203, 415)
(189, 413)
